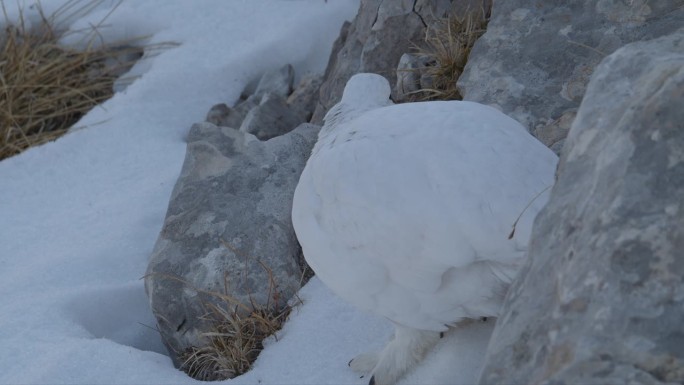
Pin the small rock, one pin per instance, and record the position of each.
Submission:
(219, 115)
(276, 82)
(409, 77)
(272, 117)
(223, 116)
(305, 96)
(551, 134)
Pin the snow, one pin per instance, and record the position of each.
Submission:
(79, 216)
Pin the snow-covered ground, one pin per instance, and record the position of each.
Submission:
(79, 216)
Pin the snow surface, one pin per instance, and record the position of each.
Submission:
(79, 216)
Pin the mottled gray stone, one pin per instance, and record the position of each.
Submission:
(536, 57)
(381, 32)
(305, 96)
(272, 117)
(277, 81)
(601, 299)
(554, 133)
(227, 223)
(219, 114)
(410, 77)
(223, 116)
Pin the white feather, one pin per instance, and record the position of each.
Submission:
(405, 210)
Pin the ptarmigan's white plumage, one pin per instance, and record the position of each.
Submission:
(406, 210)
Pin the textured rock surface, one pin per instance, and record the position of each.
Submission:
(229, 217)
(304, 97)
(409, 77)
(277, 81)
(272, 117)
(270, 107)
(223, 116)
(602, 299)
(540, 87)
(381, 33)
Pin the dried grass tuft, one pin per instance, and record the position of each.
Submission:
(238, 332)
(45, 87)
(447, 47)
(235, 343)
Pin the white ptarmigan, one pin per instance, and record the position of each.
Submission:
(406, 210)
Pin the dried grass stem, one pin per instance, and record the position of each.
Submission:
(447, 47)
(45, 87)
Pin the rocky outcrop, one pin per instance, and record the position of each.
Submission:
(536, 58)
(411, 76)
(271, 117)
(277, 82)
(304, 98)
(228, 230)
(272, 108)
(601, 299)
(381, 33)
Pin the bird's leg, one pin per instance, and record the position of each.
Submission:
(407, 349)
(364, 363)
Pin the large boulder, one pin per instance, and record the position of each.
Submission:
(228, 230)
(601, 300)
(536, 57)
(381, 32)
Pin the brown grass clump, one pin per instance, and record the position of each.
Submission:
(237, 329)
(235, 343)
(447, 47)
(44, 87)
(238, 332)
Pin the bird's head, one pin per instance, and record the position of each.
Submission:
(364, 92)
(367, 90)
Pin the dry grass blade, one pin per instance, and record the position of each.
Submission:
(235, 343)
(447, 47)
(44, 87)
(238, 329)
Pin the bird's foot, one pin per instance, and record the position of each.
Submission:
(364, 363)
(404, 352)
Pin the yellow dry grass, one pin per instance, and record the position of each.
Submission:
(46, 87)
(237, 329)
(447, 47)
(235, 343)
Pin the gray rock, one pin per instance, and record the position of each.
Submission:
(410, 77)
(305, 96)
(272, 117)
(278, 82)
(553, 134)
(536, 58)
(227, 223)
(601, 299)
(219, 115)
(330, 81)
(223, 116)
(381, 32)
